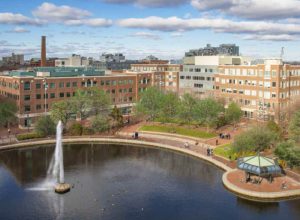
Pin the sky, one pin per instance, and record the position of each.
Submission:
(138, 28)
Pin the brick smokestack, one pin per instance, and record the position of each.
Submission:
(43, 51)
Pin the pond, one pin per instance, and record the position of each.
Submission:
(124, 182)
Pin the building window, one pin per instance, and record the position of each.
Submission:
(196, 85)
(38, 85)
(181, 77)
(113, 91)
(273, 84)
(102, 83)
(61, 95)
(46, 96)
(130, 90)
(68, 94)
(38, 107)
(61, 84)
(74, 84)
(38, 96)
(52, 95)
(52, 85)
(26, 97)
(68, 84)
(107, 82)
(27, 108)
(27, 85)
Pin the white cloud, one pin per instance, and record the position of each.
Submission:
(18, 19)
(93, 22)
(146, 35)
(150, 3)
(19, 30)
(51, 12)
(175, 24)
(252, 9)
(282, 37)
(176, 34)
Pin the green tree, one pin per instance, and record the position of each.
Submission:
(60, 111)
(254, 139)
(294, 126)
(207, 111)
(100, 123)
(187, 108)
(150, 103)
(117, 116)
(81, 103)
(274, 127)
(288, 152)
(8, 110)
(169, 107)
(233, 113)
(99, 101)
(45, 126)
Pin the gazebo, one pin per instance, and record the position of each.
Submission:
(259, 165)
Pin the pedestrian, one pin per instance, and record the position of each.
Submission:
(208, 151)
(196, 143)
(136, 135)
(211, 152)
(186, 145)
(217, 141)
(8, 131)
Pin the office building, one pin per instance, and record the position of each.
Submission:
(264, 91)
(34, 92)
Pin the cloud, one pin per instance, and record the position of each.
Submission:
(18, 19)
(51, 12)
(252, 9)
(48, 13)
(176, 34)
(283, 37)
(146, 35)
(175, 24)
(150, 3)
(204, 5)
(19, 30)
(93, 22)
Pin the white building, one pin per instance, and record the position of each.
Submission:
(197, 77)
(75, 61)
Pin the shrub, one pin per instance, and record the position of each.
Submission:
(87, 131)
(28, 136)
(255, 139)
(45, 126)
(288, 152)
(100, 124)
(76, 129)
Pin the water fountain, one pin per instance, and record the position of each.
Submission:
(56, 168)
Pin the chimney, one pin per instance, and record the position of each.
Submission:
(43, 51)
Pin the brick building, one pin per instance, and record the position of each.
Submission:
(35, 92)
(164, 76)
(264, 91)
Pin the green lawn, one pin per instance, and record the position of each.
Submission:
(174, 129)
(227, 151)
(224, 151)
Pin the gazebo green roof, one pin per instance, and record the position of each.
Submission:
(259, 165)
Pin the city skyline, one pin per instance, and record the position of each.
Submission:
(166, 29)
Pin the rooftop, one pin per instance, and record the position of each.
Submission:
(59, 72)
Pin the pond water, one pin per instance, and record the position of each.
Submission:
(124, 182)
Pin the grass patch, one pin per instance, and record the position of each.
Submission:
(225, 151)
(173, 129)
